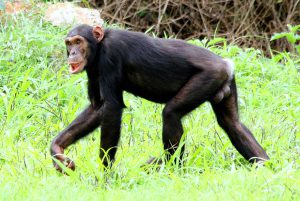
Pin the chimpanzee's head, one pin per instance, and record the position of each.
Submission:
(81, 44)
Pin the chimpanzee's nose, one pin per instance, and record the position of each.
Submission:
(72, 53)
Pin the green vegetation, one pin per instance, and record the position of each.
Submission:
(292, 37)
(38, 98)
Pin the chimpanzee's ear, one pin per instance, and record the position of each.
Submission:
(98, 33)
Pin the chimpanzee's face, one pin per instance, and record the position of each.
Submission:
(78, 52)
(81, 44)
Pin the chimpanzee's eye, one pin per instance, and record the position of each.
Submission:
(78, 41)
(68, 43)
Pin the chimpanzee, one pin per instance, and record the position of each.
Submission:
(169, 71)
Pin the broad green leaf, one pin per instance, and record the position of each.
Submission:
(295, 28)
(291, 38)
(277, 36)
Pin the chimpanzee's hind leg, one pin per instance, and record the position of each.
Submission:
(198, 89)
(227, 115)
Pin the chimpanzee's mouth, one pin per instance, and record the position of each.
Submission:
(76, 67)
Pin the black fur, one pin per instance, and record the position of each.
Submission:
(154, 69)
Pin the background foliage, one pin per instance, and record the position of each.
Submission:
(248, 23)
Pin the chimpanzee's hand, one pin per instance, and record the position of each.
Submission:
(67, 162)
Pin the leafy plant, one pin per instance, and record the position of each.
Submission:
(292, 37)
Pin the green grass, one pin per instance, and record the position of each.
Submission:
(39, 98)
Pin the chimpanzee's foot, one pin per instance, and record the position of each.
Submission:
(152, 164)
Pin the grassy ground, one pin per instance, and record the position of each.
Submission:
(39, 98)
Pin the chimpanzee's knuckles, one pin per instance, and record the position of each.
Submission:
(66, 162)
(71, 165)
(57, 167)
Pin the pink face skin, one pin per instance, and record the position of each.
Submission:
(77, 48)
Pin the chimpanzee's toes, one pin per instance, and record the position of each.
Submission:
(153, 164)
